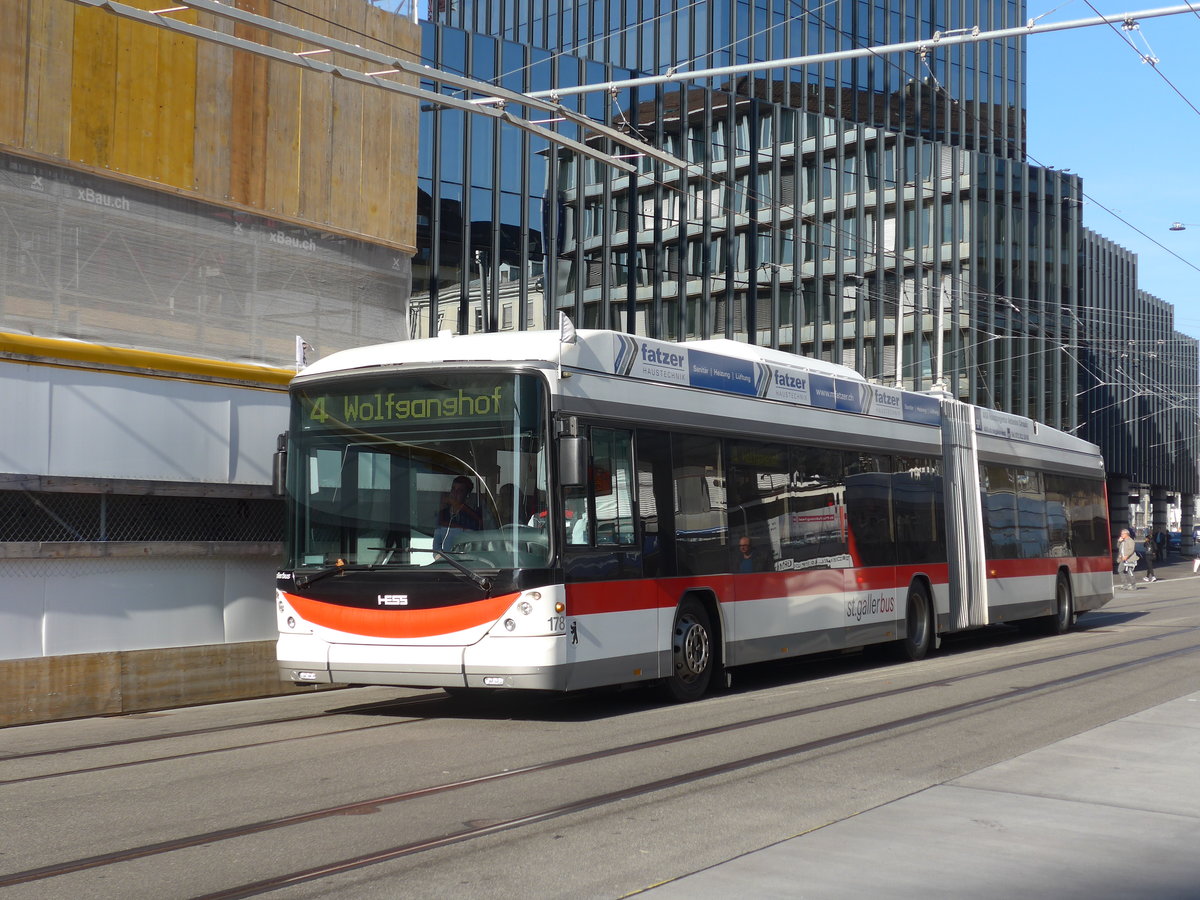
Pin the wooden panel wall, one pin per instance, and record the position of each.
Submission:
(14, 23)
(86, 87)
(122, 682)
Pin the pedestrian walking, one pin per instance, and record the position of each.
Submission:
(1148, 554)
(1160, 544)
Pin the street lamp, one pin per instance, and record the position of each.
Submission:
(1183, 226)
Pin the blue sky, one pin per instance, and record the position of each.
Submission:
(1095, 108)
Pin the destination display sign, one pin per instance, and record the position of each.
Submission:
(417, 404)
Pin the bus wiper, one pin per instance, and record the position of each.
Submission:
(306, 580)
(337, 567)
(484, 584)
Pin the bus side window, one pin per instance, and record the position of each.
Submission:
(757, 492)
(600, 513)
(817, 496)
(1032, 532)
(700, 508)
(869, 508)
(998, 485)
(655, 499)
(918, 510)
(612, 486)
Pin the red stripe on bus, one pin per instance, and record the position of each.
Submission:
(401, 623)
(592, 597)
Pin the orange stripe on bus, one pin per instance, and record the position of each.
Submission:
(401, 623)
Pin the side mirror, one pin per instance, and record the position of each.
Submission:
(279, 466)
(572, 461)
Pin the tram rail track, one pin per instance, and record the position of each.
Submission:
(400, 704)
(212, 729)
(350, 864)
(847, 737)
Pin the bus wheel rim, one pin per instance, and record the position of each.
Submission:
(693, 652)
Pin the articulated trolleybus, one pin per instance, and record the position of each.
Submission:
(558, 512)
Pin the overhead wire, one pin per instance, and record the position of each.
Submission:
(810, 12)
(1154, 64)
(904, 305)
(969, 291)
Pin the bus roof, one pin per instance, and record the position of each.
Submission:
(591, 350)
(720, 365)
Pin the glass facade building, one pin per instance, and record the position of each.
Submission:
(880, 213)
(1138, 387)
(875, 213)
(971, 95)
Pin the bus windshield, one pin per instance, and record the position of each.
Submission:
(444, 470)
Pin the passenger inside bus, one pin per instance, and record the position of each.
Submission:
(748, 558)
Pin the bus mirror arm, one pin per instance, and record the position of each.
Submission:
(572, 461)
(279, 466)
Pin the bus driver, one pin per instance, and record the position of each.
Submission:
(456, 515)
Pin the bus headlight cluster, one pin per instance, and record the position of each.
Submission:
(288, 621)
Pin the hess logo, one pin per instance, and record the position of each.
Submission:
(393, 600)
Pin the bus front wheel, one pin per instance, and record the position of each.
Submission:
(691, 653)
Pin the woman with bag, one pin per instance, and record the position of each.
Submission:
(1126, 559)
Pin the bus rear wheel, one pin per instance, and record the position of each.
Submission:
(1064, 610)
(918, 625)
(691, 653)
(1062, 619)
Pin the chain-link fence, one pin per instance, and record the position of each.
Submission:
(52, 516)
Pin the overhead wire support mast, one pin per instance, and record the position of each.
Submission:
(939, 39)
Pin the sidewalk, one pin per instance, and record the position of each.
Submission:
(1110, 813)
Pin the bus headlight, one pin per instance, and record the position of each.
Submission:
(525, 607)
(510, 625)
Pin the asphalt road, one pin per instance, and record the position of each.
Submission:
(376, 792)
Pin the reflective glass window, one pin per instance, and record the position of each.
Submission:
(869, 509)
